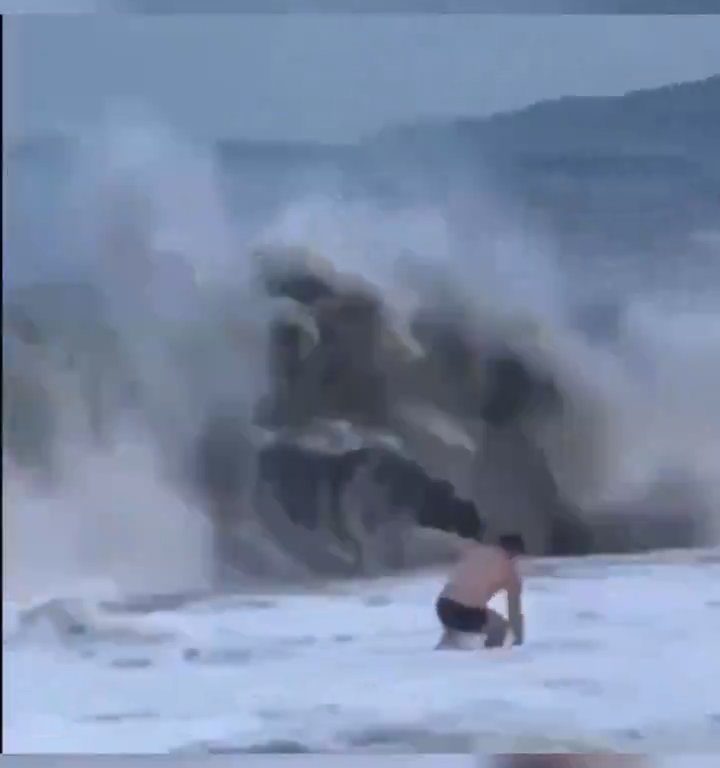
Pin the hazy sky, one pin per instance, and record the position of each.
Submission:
(332, 77)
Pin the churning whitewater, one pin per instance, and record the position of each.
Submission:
(158, 597)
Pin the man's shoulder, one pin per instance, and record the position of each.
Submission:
(495, 553)
(475, 549)
(506, 563)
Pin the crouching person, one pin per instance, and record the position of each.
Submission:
(461, 607)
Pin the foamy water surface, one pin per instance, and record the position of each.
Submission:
(621, 654)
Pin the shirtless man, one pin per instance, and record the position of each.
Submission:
(482, 572)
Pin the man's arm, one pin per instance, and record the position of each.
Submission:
(515, 616)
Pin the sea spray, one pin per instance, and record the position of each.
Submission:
(151, 242)
(180, 297)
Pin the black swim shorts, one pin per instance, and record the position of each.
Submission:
(460, 618)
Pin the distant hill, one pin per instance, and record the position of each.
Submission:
(675, 122)
(627, 174)
(674, 130)
(632, 173)
(681, 119)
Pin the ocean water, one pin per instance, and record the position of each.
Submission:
(621, 655)
(621, 652)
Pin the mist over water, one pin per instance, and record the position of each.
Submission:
(149, 237)
(149, 231)
(111, 526)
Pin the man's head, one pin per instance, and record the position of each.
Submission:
(513, 544)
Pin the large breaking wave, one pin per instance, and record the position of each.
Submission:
(143, 314)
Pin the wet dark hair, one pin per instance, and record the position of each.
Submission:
(512, 543)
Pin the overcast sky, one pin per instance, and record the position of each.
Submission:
(332, 78)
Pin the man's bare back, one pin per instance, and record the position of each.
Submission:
(481, 573)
